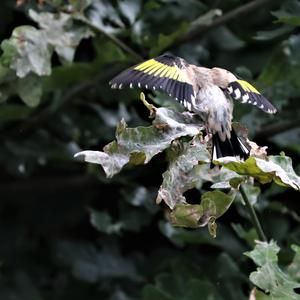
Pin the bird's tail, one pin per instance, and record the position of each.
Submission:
(230, 147)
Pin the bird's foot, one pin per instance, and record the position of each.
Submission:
(206, 138)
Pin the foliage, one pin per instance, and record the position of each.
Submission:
(68, 232)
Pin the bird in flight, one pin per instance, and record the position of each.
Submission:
(206, 92)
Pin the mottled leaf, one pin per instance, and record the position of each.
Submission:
(269, 277)
(27, 51)
(186, 215)
(276, 168)
(60, 32)
(30, 89)
(138, 145)
(184, 171)
(294, 268)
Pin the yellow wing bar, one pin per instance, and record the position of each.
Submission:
(158, 69)
(166, 73)
(248, 87)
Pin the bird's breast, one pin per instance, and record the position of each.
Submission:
(215, 109)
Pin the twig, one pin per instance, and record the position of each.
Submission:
(273, 129)
(113, 38)
(253, 216)
(235, 13)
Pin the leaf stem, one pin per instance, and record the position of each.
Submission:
(253, 216)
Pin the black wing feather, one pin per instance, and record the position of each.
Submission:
(166, 73)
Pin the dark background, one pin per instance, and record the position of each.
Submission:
(67, 232)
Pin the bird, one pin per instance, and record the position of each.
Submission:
(208, 92)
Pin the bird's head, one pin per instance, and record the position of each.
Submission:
(222, 77)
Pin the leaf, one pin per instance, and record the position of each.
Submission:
(23, 287)
(129, 220)
(216, 203)
(278, 169)
(164, 41)
(206, 19)
(248, 235)
(168, 287)
(269, 277)
(225, 39)
(273, 34)
(283, 67)
(91, 265)
(251, 191)
(186, 215)
(104, 15)
(60, 33)
(184, 171)
(289, 13)
(294, 268)
(101, 220)
(30, 89)
(138, 145)
(12, 112)
(27, 51)
(80, 5)
(213, 205)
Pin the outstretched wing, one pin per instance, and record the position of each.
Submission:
(244, 92)
(166, 73)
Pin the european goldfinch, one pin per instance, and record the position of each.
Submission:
(204, 91)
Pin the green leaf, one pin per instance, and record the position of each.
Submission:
(248, 235)
(226, 179)
(269, 277)
(273, 34)
(184, 172)
(278, 169)
(102, 221)
(187, 215)
(91, 265)
(80, 5)
(30, 89)
(283, 67)
(138, 145)
(129, 220)
(251, 191)
(216, 203)
(164, 41)
(12, 112)
(168, 287)
(294, 267)
(213, 205)
(60, 33)
(27, 51)
(289, 13)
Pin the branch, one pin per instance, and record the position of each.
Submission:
(113, 38)
(235, 13)
(273, 129)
